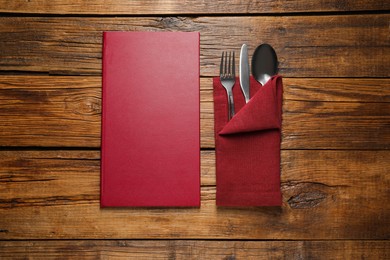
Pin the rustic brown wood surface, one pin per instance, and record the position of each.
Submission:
(334, 56)
(140, 7)
(307, 46)
(179, 249)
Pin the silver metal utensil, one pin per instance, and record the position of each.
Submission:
(244, 72)
(228, 78)
(264, 63)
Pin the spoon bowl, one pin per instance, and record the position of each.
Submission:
(264, 63)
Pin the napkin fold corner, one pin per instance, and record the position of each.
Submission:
(260, 113)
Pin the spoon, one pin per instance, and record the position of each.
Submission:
(264, 63)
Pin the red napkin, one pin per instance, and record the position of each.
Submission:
(248, 146)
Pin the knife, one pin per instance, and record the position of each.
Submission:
(244, 72)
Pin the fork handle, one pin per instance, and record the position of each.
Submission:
(231, 104)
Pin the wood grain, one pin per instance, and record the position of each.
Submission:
(307, 46)
(58, 111)
(139, 7)
(324, 193)
(186, 249)
(334, 55)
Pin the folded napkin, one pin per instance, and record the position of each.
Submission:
(248, 146)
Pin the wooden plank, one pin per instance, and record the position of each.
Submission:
(186, 249)
(307, 46)
(139, 7)
(350, 126)
(317, 113)
(55, 195)
(50, 111)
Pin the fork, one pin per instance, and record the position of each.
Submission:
(227, 76)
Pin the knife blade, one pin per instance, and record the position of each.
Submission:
(244, 72)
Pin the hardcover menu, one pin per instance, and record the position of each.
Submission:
(150, 120)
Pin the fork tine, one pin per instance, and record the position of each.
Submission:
(229, 66)
(221, 66)
(225, 64)
(233, 67)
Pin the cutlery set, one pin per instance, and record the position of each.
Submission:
(264, 66)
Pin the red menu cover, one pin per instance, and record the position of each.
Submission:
(150, 120)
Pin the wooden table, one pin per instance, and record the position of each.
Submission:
(334, 56)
